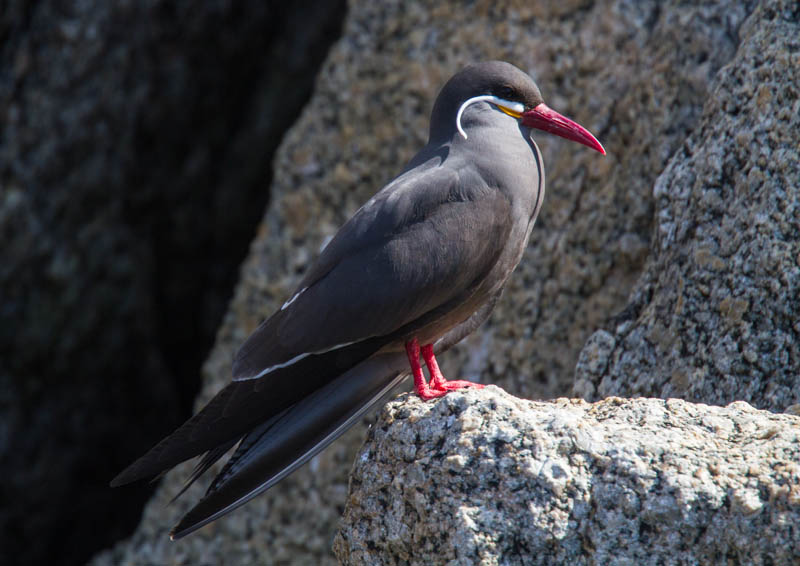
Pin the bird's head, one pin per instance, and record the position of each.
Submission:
(509, 90)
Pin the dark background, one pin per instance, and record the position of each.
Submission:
(135, 161)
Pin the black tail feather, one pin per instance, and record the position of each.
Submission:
(208, 460)
(276, 449)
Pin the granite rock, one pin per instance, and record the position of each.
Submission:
(716, 315)
(481, 477)
(635, 73)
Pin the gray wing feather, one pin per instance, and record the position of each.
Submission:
(417, 245)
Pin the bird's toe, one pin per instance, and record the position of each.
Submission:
(460, 384)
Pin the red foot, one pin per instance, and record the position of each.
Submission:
(452, 385)
(438, 386)
(420, 387)
(438, 381)
(427, 393)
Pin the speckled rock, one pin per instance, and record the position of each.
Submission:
(636, 73)
(481, 477)
(716, 316)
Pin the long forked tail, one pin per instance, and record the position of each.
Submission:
(281, 445)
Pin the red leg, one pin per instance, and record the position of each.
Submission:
(438, 382)
(420, 387)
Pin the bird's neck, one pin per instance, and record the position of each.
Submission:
(506, 157)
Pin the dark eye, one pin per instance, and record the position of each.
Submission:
(506, 92)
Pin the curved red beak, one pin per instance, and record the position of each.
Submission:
(543, 118)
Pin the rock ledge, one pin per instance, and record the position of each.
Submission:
(484, 477)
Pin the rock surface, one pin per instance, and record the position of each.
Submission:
(716, 316)
(135, 143)
(481, 477)
(636, 73)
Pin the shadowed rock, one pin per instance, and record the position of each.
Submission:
(135, 145)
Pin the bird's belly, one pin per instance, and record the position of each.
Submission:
(466, 305)
(431, 332)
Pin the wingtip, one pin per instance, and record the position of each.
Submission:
(121, 479)
(181, 529)
(177, 533)
(131, 474)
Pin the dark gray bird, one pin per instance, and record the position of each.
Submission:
(423, 262)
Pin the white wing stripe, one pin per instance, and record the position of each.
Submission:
(293, 299)
(292, 361)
